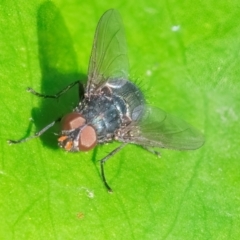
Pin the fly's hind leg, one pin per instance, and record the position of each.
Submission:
(152, 151)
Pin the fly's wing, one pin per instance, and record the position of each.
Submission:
(109, 53)
(158, 129)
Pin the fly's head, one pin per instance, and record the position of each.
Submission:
(76, 134)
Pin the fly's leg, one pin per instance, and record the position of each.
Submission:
(37, 134)
(81, 95)
(57, 95)
(104, 160)
(152, 151)
(80, 91)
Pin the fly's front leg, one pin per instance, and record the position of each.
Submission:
(37, 134)
(102, 165)
(57, 95)
(81, 94)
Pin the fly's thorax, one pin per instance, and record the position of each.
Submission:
(102, 111)
(76, 134)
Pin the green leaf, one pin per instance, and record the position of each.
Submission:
(185, 57)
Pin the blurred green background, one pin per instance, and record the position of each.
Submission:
(185, 56)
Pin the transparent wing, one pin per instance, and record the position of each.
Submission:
(156, 128)
(109, 52)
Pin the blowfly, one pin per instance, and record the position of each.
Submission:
(114, 108)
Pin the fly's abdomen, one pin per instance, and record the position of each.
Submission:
(131, 95)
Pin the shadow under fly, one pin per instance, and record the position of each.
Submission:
(114, 108)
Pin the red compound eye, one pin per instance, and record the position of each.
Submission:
(72, 121)
(87, 139)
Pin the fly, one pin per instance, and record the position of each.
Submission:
(114, 108)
